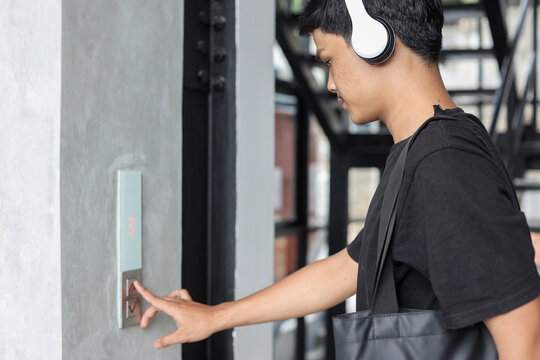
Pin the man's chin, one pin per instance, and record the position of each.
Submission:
(361, 120)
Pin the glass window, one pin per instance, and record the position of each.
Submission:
(319, 175)
(530, 200)
(292, 6)
(285, 263)
(487, 38)
(315, 324)
(282, 69)
(462, 33)
(317, 246)
(491, 76)
(316, 334)
(462, 74)
(487, 113)
(285, 158)
(285, 256)
(353, 229)
(320, 75)
(362, 185)
(285, 339)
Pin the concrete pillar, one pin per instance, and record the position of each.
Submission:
(255, 166)
(30, 303)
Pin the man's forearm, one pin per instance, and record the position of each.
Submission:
(517, 332)
(311, 289)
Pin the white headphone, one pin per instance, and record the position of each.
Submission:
(373, 38)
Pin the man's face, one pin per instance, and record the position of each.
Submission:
(356, 83)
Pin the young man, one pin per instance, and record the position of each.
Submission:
(461, 244)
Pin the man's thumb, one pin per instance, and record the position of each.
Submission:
(166, 341)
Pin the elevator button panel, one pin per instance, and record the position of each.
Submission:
(129, 245)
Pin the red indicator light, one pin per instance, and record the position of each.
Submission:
(131, 226)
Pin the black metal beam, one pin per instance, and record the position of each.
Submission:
(524, 184)
(535, 48)
(495, 10)
(450, 54)
(284, 87)
(533, 163)
(294, 228)
(209, 163)
(517, 129)
(480, 65)
(302, 183)
(222, 167)
(337, 226)
(531, 148)
(195, 114)
(486, 93)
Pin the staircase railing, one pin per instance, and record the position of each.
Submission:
(515, 121)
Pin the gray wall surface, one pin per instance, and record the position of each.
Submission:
(255, 166)
(30, 305)
(121, 109)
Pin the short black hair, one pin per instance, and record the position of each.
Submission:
(417, 23)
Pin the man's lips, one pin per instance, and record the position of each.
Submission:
(341, 101)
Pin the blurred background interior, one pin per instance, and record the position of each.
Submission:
(488, 65)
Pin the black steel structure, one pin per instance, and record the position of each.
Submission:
(209, 164)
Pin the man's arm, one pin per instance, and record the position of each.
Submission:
(517, 333)
(311, 289)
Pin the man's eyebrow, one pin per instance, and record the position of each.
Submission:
(318, 55)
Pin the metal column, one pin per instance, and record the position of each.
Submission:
(209, 164)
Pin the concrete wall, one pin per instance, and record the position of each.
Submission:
(30, 311)
(121, 109)
(255, 166)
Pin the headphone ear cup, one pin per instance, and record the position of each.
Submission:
(372, 38)
(390, 44)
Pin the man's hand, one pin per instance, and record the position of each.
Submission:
(314, 288)
(536, 244)
(195, 321)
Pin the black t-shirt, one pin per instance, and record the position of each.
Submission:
(461, 243)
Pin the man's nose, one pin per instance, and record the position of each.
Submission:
(331, 85)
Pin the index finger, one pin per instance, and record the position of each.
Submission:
(159, 303)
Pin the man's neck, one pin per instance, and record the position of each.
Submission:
(414, 92)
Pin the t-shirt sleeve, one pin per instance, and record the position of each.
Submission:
(353, 249)
(479, 249)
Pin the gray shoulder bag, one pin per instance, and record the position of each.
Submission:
(387, 332)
